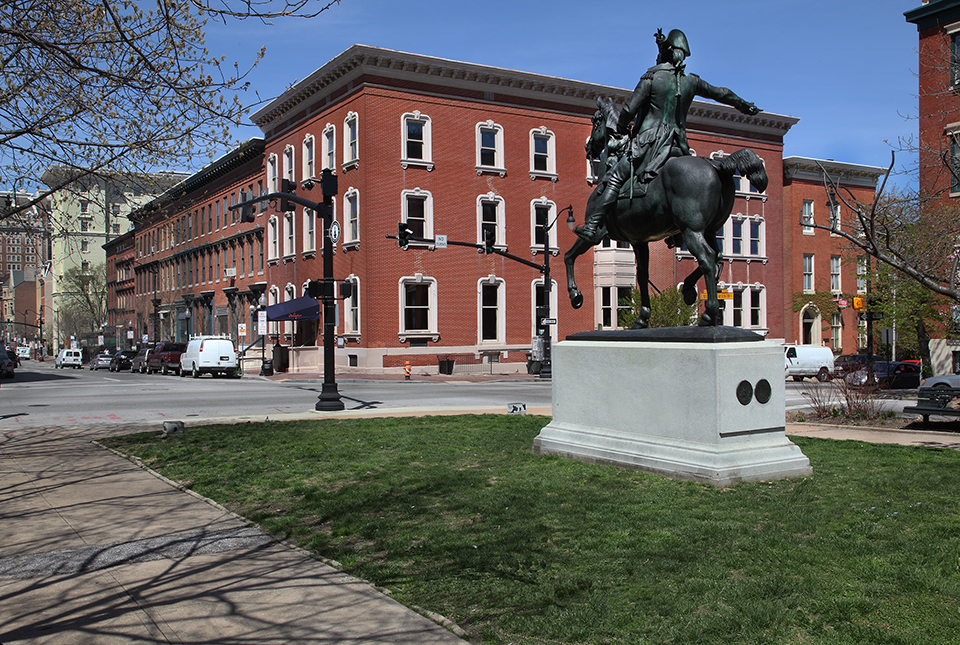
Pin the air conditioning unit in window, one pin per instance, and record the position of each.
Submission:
(231, 272)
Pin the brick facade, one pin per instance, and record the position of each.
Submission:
(492, 143)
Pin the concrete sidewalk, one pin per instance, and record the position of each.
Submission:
(95, 550)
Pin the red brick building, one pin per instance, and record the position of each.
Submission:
(121, 292)
(822, 274)
(451, 149)
(938, 26)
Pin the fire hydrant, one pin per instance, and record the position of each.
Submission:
(406, 370)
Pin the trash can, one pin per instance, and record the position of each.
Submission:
(446, 365)
(280, 357)
(533, 366)
(266, 368)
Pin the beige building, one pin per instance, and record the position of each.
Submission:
(86, 213)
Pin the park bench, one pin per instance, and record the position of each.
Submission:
(933, 402)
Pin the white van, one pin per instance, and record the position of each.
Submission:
(808, 360)
(69, 358)
(209, 355)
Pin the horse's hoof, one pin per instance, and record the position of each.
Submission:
(639, 324)
(576, 298)
(707, 320)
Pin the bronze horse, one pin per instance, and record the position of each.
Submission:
(688, 201)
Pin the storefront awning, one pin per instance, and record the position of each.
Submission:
(297, 309)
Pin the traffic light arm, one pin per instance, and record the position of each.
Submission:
(412, 238)
(290, 197)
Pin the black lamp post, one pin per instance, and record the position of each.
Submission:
(329, 398)
(546, 370)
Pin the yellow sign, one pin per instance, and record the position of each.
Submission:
(721, 295)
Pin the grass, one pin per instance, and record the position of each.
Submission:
(455, 514)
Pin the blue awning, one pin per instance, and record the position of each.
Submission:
(305, 308)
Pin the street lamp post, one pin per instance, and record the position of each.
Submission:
(329, 398)
(546, 366)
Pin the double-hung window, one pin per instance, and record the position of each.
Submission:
(808, 272)
(492, 315)
(835, 273)
(309, 161)
(418, 306)
(490, 219)
(543, 226)
(330, 147)
(490, 148)
(351, 234)
(309, 231)
(543, 154)
(417, 140)
(289, 245)
(351, 319)
(273, 239)
(806, 217)
(273, 177)
(351, 146)
(418, 212)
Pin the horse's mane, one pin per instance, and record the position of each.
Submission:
(610, 112)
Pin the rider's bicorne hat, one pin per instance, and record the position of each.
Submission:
(676, 39)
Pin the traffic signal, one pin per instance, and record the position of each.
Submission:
(246, 211)
(287, 186)
(403, 234)
(858, 303)
(346, 289)
(487, 241)
(314, 288)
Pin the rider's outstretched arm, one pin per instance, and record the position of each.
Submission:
(725, 96)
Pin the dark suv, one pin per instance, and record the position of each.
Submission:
(165, 358)
(122, 360)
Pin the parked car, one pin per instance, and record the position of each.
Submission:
(808, 360)
(69, 358)
(888, 376)
(849, 363)
(23, 353)
(7, 365)
(209, 355)
(165, 358)
(100, 360)
(122, 360)
(139, 363)
(938, 382)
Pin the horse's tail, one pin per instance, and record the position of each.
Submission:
(748, 163)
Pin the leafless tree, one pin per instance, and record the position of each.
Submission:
(99, 86)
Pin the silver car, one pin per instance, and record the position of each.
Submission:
(7, 365)
(939, 382)
(100, 360)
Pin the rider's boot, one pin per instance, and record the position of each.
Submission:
(591, 230)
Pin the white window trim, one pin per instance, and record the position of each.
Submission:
(551, 171)
(432, 333)
(501, 241)
(309, 227)
(427, 197)
(309, 144)
(838, 274)
(288, 163)
(348, 240)
(272, 174)
(813, 273)
(272, 299)
(554, 304)
(807, 229)
(347, 328)
(481, 169)
(273, 239)
(289, 235)
(330, 147)
(289, 293)
(427, 161)
(351, 160)
(551, 234)
(500, 340)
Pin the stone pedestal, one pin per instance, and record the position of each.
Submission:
(704, 404)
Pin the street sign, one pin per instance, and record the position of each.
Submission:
(864, 316)
(242, 329)
(334, 232)
(721, 295)
(261, 323)
(440, 241)
(548, 321)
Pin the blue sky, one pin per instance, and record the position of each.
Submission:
(846, 68)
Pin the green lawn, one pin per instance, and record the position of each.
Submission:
(455, 514)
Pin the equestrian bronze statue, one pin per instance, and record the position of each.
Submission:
(651, 188)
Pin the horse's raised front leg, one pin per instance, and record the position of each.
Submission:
(707, 259)
(641, 252)
(689, 288)
(579, 247)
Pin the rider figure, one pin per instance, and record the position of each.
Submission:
(657, 112)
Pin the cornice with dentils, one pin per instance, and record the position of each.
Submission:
(363, 60)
